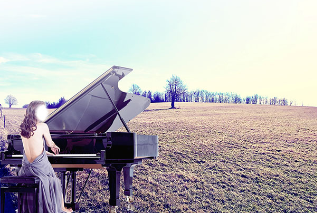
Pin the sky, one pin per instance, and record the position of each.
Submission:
(50, 49)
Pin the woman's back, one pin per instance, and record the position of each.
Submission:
(34, 145)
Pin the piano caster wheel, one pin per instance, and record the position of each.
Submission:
(130, 206)
(129, 199)
(113, 209)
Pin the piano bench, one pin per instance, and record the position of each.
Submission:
(20, 184)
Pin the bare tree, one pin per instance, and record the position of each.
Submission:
(11, 100)
(197, 95)
(158, 97)
(174, 89)
(248, 100)
(149, 95)
(283, 102)
(220, 98)
(254, 99)
(135, 89)
(236, 99)
(273, 101)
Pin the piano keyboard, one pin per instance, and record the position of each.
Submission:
(63, 156)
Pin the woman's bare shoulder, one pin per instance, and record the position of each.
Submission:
(44, 125)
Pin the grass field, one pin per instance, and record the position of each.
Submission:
(216, 158)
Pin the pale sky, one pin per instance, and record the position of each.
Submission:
(50, 49)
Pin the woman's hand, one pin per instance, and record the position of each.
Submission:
(49, 153)
(55, 149)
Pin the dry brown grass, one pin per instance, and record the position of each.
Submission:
(219, 158)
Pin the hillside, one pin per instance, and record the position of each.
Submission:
(216, 158)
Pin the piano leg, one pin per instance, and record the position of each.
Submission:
(73, 188)
(73, 204)
(128, 177)
(114, 173)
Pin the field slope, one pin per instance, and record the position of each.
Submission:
(217, 158)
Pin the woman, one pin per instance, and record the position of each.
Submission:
(35, 161)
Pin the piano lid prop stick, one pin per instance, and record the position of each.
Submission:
(84, 185)
(125, 125)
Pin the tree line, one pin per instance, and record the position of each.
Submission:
(176, 91)
(52, 105)
(11, 100)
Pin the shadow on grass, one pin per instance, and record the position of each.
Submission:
(152, 110)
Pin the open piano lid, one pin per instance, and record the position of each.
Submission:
(91, 110)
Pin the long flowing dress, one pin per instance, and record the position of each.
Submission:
(50, 190)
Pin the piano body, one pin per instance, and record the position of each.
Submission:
(85, 130)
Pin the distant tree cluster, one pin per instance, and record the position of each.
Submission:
(135, 89)
(57, 104)
(51, 105)
(176, 91)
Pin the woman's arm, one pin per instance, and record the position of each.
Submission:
(48, 139)
(47, 136)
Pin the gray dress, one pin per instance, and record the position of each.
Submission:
(50, 190)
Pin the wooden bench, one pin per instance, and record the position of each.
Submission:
(20, 185)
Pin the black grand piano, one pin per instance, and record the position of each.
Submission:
(85, 130)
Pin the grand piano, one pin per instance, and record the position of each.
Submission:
(85, 130)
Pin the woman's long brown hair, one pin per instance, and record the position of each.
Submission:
(28, 126)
